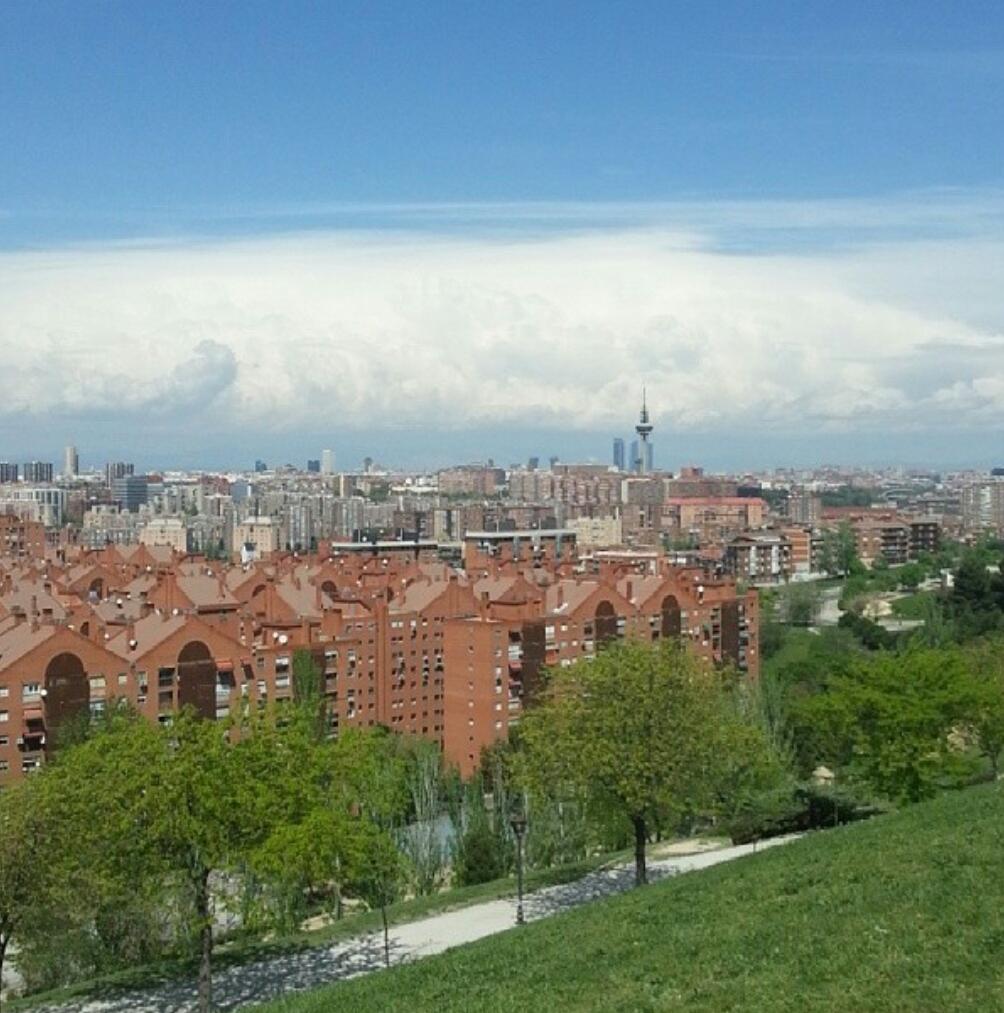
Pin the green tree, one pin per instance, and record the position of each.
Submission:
(26, 868)
(176, 805)
(891, 720)
(639, 732)
(308, 691)
(910, 576)
(800, 603)
(986, 659)
(380, 875)
(422, 840)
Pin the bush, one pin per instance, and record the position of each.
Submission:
(477, 858)
(791, 810)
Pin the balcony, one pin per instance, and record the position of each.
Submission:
(33, 736)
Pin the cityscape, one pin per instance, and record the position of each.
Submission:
(501, 507)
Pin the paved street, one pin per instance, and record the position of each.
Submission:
(257, 982)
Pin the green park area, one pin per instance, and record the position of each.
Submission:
(904, 912)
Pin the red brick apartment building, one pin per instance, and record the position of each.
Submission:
(403, 640)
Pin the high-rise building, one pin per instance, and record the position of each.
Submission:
(327, 462)
(619, 454)
(313, 465)
(71, 463)
(129, 491)
(8, 472)
(118, 469)
(260, 466)
(635, 461)
(37, 471)
(533, 464)
(649, 457)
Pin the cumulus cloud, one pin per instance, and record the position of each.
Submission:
(340, 330)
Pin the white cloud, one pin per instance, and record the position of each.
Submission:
(344, 331)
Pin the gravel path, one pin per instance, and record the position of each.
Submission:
(258, 982)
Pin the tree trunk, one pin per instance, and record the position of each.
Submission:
(205, 919)
(4, 939)
(386, 935)
(640, 839)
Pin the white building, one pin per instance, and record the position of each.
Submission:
(597, 530)
(257, 537)
(71, 463)
(327, 462)
(165, 531)
(43, 503)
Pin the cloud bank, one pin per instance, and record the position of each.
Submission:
(347, 331)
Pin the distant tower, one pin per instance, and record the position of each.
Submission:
(644, 431)
(619, 454)
(327, 462)
(71, 463)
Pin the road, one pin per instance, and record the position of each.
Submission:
(268, 979)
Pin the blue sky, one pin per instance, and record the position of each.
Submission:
(113, 110)
(861, 143)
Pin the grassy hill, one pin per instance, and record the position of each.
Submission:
(905, 913)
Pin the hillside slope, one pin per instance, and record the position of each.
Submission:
(905, 913)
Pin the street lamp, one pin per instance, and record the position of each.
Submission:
(518, 823)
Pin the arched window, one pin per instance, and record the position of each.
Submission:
(606, 623)
(671, 619)
(197, 679)
(67, 692)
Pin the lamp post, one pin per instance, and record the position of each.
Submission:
(518, 823)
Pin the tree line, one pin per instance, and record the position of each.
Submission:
(136, 838)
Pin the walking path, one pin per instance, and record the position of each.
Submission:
(261, 981)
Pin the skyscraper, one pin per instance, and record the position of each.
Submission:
(619, 454)
(37, 471)
(634, 462)
(71, 463)
(118, 469)
(327, 462)
(129, 491)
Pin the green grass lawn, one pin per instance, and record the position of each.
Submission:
(913, 606)
(904, 913)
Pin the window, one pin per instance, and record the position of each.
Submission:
(4, 740)
(31, 691)
(123, 679)
(4, 691)
(4, 766)
(4, 716)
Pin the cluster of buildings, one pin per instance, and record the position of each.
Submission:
(430, 601)
(406, 636)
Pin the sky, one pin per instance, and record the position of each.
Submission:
(432, 232)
